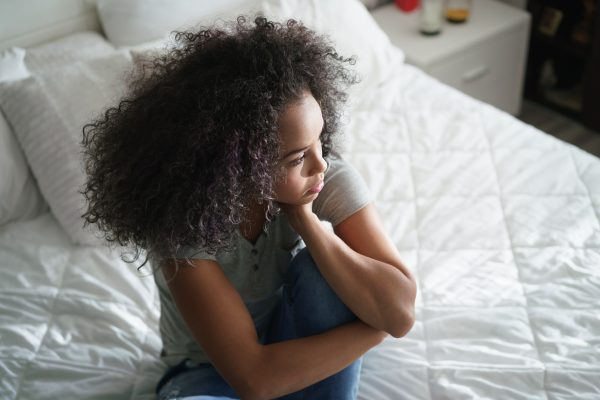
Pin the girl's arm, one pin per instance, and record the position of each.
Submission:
(218, 319)
(361, 265)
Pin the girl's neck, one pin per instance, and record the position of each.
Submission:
(253, 223)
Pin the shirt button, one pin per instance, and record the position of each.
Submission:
(255, 267)
(254, 251)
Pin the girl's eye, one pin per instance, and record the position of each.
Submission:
(297, 161)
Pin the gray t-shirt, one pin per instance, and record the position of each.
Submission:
(257, 270)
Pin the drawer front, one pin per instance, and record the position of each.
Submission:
(491, 71)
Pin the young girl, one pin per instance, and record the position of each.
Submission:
(220, 166)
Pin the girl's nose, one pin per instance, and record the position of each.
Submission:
(321, 165)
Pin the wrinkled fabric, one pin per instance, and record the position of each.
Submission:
(498, 221)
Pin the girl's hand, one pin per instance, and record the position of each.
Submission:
(298, 215)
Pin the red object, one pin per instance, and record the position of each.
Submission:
(407, 5)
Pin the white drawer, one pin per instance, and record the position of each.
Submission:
(491, 71)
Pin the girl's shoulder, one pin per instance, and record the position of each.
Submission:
(345, 192)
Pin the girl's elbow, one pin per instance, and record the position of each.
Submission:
(404, 316)
(256, 383)
(247, 380)
(256, 390)
(403, 323)
(249, 389)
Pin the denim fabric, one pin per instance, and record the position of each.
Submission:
(189, 381)
(308, 306)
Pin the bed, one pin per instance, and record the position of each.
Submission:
(499, 222)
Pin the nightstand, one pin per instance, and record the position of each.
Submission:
(484, 57)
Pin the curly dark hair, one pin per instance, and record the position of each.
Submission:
(176, 162)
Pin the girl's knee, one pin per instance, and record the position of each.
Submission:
(302, 264)
(304, 274)
(315, 303)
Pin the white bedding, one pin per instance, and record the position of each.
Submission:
(76, 322)
(498, 220)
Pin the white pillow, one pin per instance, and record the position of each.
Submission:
(347, 22)
(66, 50)
(134, 22)
(353, 31)
(20, 198)
(12, 64)
(48, 112)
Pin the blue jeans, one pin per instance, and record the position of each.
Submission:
(308, 307)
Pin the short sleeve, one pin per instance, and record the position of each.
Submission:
(344, 193)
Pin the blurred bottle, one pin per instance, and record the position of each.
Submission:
(458, 11)
(431, 17)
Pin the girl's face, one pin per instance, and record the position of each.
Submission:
(301, 160)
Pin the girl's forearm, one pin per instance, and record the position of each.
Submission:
(292, 365)
(376, 292)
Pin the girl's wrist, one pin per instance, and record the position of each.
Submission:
(302, 219)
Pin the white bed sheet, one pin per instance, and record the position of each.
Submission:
(499, 222)
(76, 322)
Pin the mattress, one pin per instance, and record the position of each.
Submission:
(498, 221)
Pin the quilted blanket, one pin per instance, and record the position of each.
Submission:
(498, 221)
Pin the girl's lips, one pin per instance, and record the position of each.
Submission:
(316, 189)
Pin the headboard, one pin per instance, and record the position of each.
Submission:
(26, 23)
